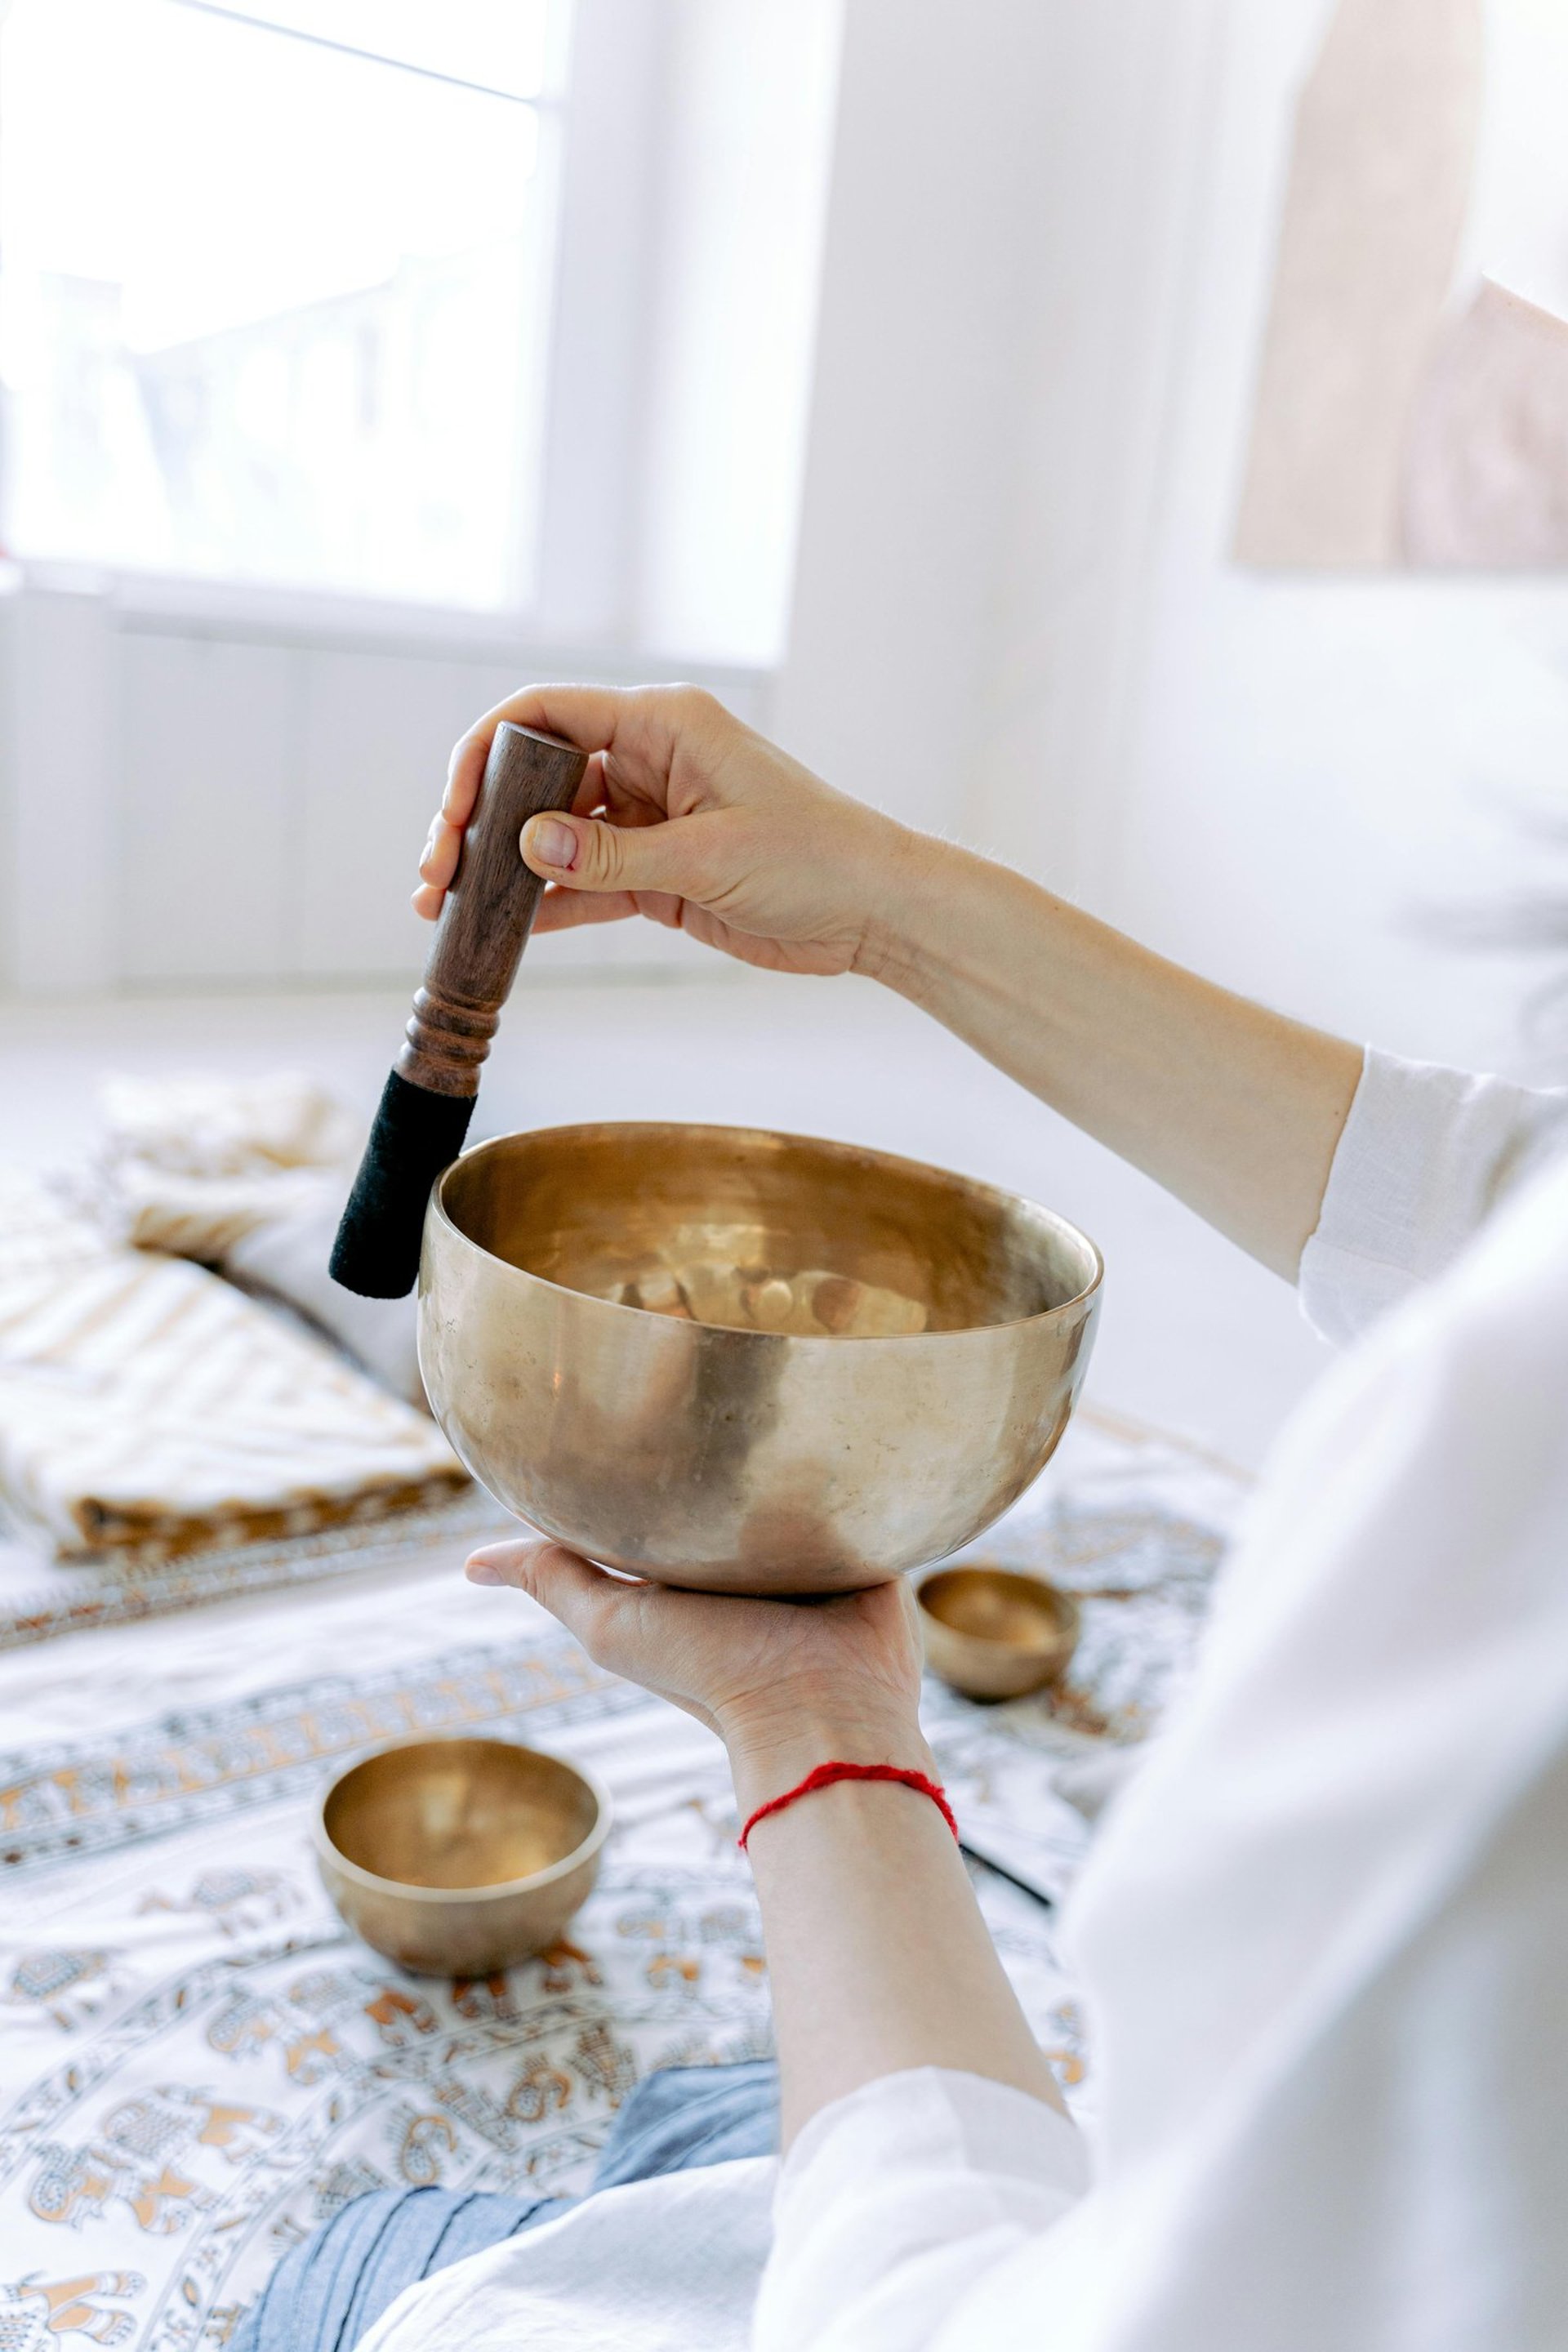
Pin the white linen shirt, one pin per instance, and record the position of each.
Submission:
(1322, 1941)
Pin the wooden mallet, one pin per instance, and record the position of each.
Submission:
(430, 1096)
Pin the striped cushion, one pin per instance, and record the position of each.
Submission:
(145, 1399)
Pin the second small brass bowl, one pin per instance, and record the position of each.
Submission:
(458, 1857)
(745, 1362)
(992, 1632)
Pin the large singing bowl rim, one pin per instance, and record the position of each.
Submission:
(500, 1890)
(998, 1193)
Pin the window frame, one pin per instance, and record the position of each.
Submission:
(600, 185)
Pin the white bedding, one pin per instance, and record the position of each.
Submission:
(198, 2062)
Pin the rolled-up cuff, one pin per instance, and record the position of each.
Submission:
(1425, 1155)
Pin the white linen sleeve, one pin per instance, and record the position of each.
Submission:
(1424, 1156)
(895, 2200)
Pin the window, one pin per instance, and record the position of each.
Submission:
(274, 289)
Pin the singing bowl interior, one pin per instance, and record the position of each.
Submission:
(745, 1360)
(992, 1632)
(457, 1857)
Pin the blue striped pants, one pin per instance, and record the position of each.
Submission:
(331, 2291)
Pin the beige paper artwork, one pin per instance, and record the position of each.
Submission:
(1380, 181)
(1487, 460)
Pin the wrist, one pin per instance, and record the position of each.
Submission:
(773, 1750)
(925, 889)
(893, 885)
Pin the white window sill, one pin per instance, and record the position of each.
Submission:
(152, 604)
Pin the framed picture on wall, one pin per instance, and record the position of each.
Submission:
(1412, 404)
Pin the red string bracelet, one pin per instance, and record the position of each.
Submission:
(823, 1776)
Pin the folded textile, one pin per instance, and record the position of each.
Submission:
(289, 1258)
(145, 1401)
(191, 1165)
(251, 1176)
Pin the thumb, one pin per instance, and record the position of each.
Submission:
(582, 853)
(581, 1597)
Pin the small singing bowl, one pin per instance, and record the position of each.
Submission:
(457, 1857)
(745, 1362)
(992, 1632)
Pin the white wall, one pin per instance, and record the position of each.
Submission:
(745, 126)
(692, 207)
(1047, 266)
(1005, 236)
(238, 798)
(933, 216)
(1318, 762)
(59, 890)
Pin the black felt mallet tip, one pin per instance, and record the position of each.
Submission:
(415, 1134)
(429, 1099)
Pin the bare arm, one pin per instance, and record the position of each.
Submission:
(691, 819)
(878, 1958)
(1234, 1108)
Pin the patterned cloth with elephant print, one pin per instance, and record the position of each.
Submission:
(198, 2063)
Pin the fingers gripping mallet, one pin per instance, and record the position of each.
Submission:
(429, 1098)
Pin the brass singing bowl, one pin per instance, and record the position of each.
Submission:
(992, 1632)
(751, 1437)
(457, 1857)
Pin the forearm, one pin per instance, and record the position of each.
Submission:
(707, 826)
(877, 1957)
(1234, 1108)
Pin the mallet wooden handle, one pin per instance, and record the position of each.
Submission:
(488, 912)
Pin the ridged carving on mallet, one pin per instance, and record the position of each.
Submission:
(446, 1042)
